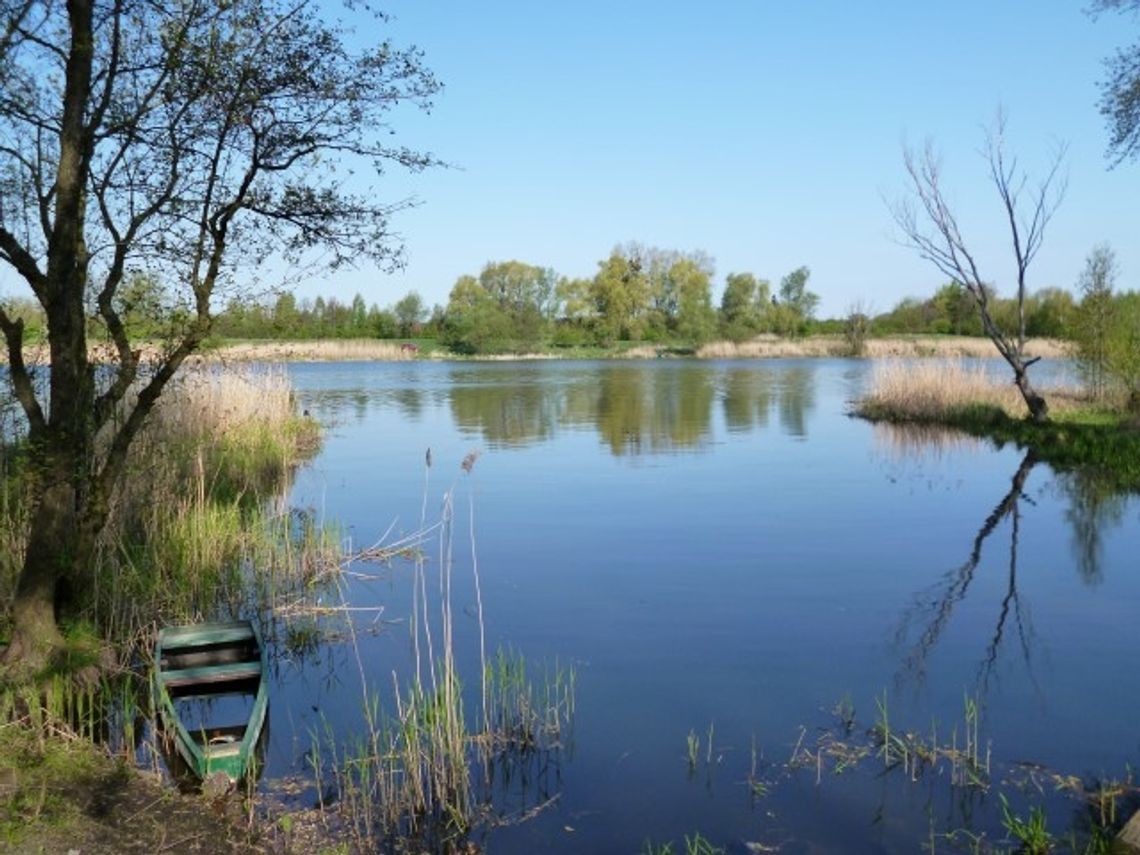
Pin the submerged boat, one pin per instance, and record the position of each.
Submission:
(212, 696)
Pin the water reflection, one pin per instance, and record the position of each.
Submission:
(504, 414)
(647, 412)
(1095, 507)
(634, 408)
(933, 608)
(919, 441)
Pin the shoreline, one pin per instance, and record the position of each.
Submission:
(762, 347)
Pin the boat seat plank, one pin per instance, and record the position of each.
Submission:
(215, 633)
(212, 674)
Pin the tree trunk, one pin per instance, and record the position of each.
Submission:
(53, 548)
(1038, 408)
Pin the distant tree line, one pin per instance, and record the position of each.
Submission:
(642, 294)
(639, 293)
(951, 310)
(286, 317)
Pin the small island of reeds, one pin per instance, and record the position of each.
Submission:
(1099, 432)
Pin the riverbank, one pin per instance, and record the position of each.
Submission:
(69, 795)
(761, 347)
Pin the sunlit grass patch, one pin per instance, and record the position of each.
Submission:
(936, 391)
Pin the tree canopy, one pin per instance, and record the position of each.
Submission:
(1120, 90)
(177, 142)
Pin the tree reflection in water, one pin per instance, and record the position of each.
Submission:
(1095, 505)
(933, 608)
(635, 409)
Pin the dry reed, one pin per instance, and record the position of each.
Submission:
(189, 519)
(937, 390)
(324, 350)
(929, 391)
(940, 347)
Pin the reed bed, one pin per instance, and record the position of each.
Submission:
(324, 350)
(197, 516)
(935, 391)
(897, 347)
(943, 391)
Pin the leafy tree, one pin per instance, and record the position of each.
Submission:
(525, 293)
(797, 304)
(410, 312)
(286, 318)
(177, 139)
(573, 297)
(928, 225)
(576, 312)
(908, 316)
(1122, 358)
(955, 311)
(739, 316)
(620, 293)
(1120, 91)
(434, 326)
(696, 319)
(474, 321)
(745, 306)
(382, 323)
(1095, 317)
(359, 317)
(1050, 313)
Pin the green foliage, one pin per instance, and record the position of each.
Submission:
(410, 313)
(695, 320)
(508, 306)
(474, 323)
(287, 318)
(695, 845)
(620, 294)
(796, 305)
(1122, 347)
(1031, 834)
(745, 306)
(1120, 92)
(1050, 313)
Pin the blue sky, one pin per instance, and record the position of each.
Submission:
(766, 134)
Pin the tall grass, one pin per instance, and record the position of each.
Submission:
(944, 391)
(194, 522)
(432, 765)
(193, 517)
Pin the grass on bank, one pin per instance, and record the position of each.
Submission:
(198, 529)
(194, 513)
(66, 794)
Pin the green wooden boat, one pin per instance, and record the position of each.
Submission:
(206, 675)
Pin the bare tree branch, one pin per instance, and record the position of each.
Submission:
(931, 229)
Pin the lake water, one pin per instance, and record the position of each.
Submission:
(720, 547)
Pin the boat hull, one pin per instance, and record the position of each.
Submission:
(199, 668)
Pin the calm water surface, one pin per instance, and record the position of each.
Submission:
(719, 546)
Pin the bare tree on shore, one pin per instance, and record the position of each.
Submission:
(929, 226)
